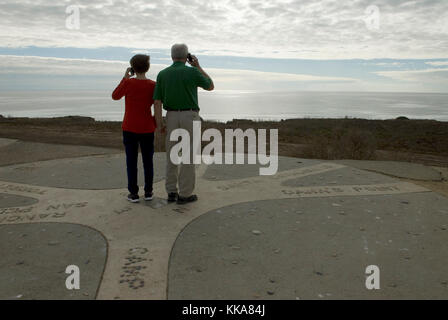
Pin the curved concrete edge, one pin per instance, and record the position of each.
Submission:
(96, 232)
(5, 142)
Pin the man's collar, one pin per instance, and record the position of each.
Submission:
(176, 63)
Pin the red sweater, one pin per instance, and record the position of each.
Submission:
(138, 101)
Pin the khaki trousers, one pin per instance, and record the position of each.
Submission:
(184, 174)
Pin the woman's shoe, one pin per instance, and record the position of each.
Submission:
(133, 198)
(149, 196)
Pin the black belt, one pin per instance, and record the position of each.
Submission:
(190, 109)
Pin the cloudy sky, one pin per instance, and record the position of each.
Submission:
(358, 45)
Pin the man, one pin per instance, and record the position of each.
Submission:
(177, 90)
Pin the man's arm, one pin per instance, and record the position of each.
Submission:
(195, 63)
(158, 116)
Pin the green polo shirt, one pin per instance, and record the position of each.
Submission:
(177, 86)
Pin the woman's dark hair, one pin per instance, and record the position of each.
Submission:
(140, 63)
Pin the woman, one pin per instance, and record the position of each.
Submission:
(138, 123)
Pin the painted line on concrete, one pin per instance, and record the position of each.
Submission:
(354, 190)
(289, 174)
(308, 170)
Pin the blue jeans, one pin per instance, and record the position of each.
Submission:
(131, 142)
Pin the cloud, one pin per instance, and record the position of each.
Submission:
(48, 73)
(431, 75)
(325, 29)
(58, 66)
(437, 63)
(427, 80)
(246, 76)
(225, 80)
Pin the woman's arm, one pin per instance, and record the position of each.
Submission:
(120, 90)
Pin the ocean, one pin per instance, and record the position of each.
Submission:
(227, 105)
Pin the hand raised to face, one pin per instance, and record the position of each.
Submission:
(194, 61)
(129, 73)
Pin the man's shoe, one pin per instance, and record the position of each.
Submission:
(133, 198)
(172, 196)
(184, 200)
(149, 196)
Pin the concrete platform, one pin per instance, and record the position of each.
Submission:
(297, 234)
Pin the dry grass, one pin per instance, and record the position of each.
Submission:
(343, 144)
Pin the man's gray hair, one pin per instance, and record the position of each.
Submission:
(179, 51)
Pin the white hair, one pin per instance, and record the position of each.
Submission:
(179, 51)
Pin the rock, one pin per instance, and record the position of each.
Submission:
(335, 204)
(198, 269)
(256, 232)
(270, 292)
